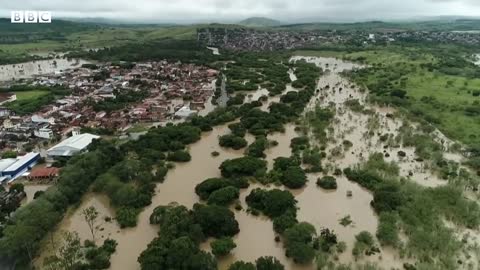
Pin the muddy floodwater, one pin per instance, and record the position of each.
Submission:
(30, 191)
(29, 69)
(321, 208)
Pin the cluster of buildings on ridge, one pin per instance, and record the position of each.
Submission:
(255, 40)
(247, 39)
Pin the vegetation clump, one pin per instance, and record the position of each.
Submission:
(327, 182)
(244, 166)
(222, 247)
(224, 196)
(182, 232)
(232, 141)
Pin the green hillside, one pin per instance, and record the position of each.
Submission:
(259, 22)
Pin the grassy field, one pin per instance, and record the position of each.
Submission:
(30, 95)
(432, 95)
(94, 38)
(319, 53)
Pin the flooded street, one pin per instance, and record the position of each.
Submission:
(322, 208)
(30, 191)
(30, 69)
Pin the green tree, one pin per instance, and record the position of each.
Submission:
(327, 182)
(179, 156)
(207, 187)
(241, 265)
(216, 221)
(222, 246)
(244, 166)
(224, 196)
(299, 242)
(90, 215)
(17, 187)
(69, 254)
(284, 221)
(272, 203)
(294, 177)
(269, 263)
(232, 141)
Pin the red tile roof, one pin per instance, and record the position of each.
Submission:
(43, 172)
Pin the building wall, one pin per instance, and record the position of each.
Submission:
(25, 167)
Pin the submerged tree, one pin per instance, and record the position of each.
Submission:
(90, 215)
(69, 254)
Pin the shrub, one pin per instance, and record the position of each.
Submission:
(272, 203)
(284, 222)
(223, 246)
(240, 265)
(327, 182)
(179, 156)
(294, 177)
(232, 141)
(215, 221)
(224, 196)
(207, 187)
(298, 242)
(269, 263)
(127, 217)
(244, 166)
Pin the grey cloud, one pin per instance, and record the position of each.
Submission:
(232, 10)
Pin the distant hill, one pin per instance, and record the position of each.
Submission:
(259, 22)
(25, 32)
(445, 25)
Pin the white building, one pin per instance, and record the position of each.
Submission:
(40, 119)
(44, 133)
(185, 112)
(72, 145)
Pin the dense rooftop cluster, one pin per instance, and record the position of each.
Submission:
(111, 96)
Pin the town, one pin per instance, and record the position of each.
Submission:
(96, 99)
(244, 39)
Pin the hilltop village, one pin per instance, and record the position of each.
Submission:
(243, 39)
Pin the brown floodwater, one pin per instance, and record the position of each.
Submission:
(321, 208)
(29, 69)
(30, 190)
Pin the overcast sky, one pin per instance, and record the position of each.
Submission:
(234, 10)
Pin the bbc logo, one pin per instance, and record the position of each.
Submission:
(29, 16)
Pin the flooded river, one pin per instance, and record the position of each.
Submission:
(321, 208)
(39, 67)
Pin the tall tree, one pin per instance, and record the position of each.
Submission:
(68, 255)
(90, 215)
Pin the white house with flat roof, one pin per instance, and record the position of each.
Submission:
(72, 145)
(185, 112)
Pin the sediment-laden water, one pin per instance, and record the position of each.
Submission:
(321, 208)
(29, 69)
